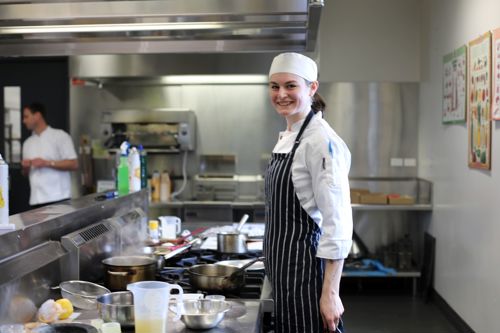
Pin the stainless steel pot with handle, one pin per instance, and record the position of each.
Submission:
(233, 242)
(120, 271)
(211, 277)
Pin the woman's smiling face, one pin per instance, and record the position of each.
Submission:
(290, 94)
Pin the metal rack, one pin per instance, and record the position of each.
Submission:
(420, 189)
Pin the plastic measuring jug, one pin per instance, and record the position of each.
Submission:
(151, 302)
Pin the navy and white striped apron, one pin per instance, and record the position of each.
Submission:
(290, 246)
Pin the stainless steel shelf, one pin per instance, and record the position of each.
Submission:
(417, 207)
(409, 274)
(259, 204)
(149, 151)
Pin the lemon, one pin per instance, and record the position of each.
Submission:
(66, 306)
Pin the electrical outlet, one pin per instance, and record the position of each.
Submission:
(396, 162)
(410, 162)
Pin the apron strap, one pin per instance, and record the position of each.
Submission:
(302, 128)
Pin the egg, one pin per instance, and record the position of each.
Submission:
(21, 309)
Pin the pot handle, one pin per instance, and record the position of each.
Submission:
(122, 273)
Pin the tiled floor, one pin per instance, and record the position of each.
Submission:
(393, 314)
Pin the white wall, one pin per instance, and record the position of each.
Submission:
(370, 40)
(465, 219)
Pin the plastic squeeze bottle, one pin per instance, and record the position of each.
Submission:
(134, 170)
(165, 187)
(144, 167)
(122, 173)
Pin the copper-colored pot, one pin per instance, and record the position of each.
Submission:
(120, 271)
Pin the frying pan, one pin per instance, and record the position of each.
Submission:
(220, 278)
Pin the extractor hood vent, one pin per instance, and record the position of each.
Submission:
(34, 28)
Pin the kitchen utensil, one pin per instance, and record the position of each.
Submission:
(358, 248)
(215, 278)
(203, 313)
(211, 277)
(65, 328)
(233, 243)
(241, 270)
(240, 263)
(82, 294)
(123, 270)
(117, 306)
(151, 301)
(170, 226)
(150, 251)
(242, 222)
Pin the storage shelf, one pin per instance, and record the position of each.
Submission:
(417, 207)
(259, 204)
(149, 151)
(402, 274)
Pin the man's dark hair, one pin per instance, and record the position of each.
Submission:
(37, 107)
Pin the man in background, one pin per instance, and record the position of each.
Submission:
(48, 157)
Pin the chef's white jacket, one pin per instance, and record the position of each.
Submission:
(48, 184)
(320, 171)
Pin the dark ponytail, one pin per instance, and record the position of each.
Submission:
(318, 103)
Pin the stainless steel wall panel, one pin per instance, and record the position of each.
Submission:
(378, 121)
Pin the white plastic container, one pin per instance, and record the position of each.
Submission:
(134, 170)
(165, 187)
(151, 301)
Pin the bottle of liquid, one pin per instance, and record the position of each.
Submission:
(165, 187)
(4, 192)
(144, 167)
(154, 235)
(122, 173)
(134, 170)
(155, 186)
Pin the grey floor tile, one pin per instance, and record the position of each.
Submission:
(393, 314)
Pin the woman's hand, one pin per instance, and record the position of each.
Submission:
(330, 305)
(331, 309)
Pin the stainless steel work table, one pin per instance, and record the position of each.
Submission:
(244, 316)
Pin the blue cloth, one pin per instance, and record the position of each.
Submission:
(370, 267)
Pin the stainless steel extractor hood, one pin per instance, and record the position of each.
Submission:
(52, 27)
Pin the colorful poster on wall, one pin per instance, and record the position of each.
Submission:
(479, 102)
(495, 101)
(454, 92)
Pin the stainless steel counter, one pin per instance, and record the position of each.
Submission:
(244, 316)
(209, 203)
(51, 222)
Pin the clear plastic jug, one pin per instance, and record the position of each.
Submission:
(151, 301)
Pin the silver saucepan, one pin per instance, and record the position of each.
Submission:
(233, 242)
(218, 278)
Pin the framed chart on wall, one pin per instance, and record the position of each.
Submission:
(479, 102)
(454, 92)
(495, 88)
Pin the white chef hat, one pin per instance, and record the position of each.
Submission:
(295, 63)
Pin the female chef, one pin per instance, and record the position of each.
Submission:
(308, 209)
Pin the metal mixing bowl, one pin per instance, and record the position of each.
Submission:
(117, 306)
(202, 313)
(82, 294)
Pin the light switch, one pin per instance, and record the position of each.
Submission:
(410, 162)
(396, 162)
